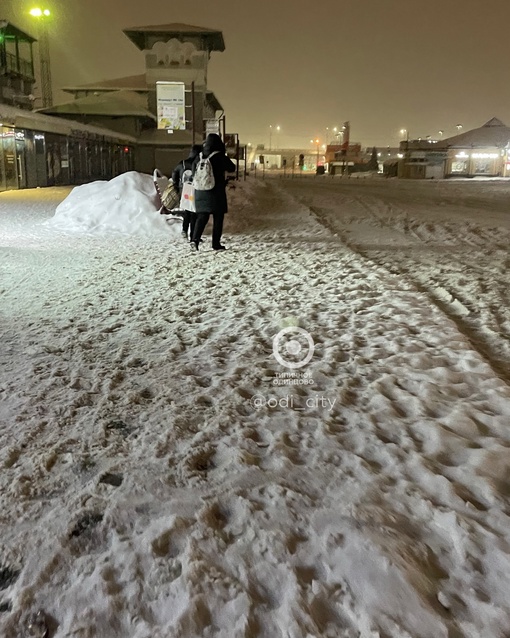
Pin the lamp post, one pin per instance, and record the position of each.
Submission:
(317, 159)
(44, 55)
(271, 134)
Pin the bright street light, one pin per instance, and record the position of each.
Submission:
(37, 13)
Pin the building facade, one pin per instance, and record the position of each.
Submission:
(17, 75)
(481, 152)
(39, 150)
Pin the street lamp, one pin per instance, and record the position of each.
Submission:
(317, 160)
(271, 133)
(44, 55)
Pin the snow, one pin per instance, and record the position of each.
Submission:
(127, 204)
(164, 475)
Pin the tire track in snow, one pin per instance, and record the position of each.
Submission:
(444, 300)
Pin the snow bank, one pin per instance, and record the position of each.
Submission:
(127, 204)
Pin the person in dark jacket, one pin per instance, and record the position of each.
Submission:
(188, 218)
(213, 202)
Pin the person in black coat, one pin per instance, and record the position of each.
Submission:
(213, 202)
(188, 218)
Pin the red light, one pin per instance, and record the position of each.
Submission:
(126, 149)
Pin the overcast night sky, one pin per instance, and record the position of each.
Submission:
(383, 65)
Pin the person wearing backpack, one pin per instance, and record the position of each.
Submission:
(209, 180)
(183, 172)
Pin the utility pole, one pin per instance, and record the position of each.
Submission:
(44, 55)
(193, 113)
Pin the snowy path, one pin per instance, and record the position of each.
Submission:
(156, 482)
(452, 243)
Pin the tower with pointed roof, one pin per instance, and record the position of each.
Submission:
(177, 53)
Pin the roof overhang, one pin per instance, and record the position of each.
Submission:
(213, 101)
(9, 30)
(111, 104)
(213, 40)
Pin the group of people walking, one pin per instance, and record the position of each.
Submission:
(211, 200)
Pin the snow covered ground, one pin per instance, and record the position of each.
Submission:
(166, 472)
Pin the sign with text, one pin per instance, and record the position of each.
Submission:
(171, 105)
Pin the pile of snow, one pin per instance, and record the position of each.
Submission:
(127, 204)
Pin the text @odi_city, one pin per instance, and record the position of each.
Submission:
(293, 402)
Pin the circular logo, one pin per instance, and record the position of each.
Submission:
(293, 347)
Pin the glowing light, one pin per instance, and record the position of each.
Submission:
(484, 155)
(37, 13)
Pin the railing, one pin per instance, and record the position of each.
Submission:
(9, 63)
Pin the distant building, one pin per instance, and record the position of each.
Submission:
(481, 152)
(284, 158)
(484, 151)
(422, 159)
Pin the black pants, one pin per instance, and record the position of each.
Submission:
(217, 231)
(188, 222)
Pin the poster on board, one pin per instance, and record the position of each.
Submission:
(171, 105)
